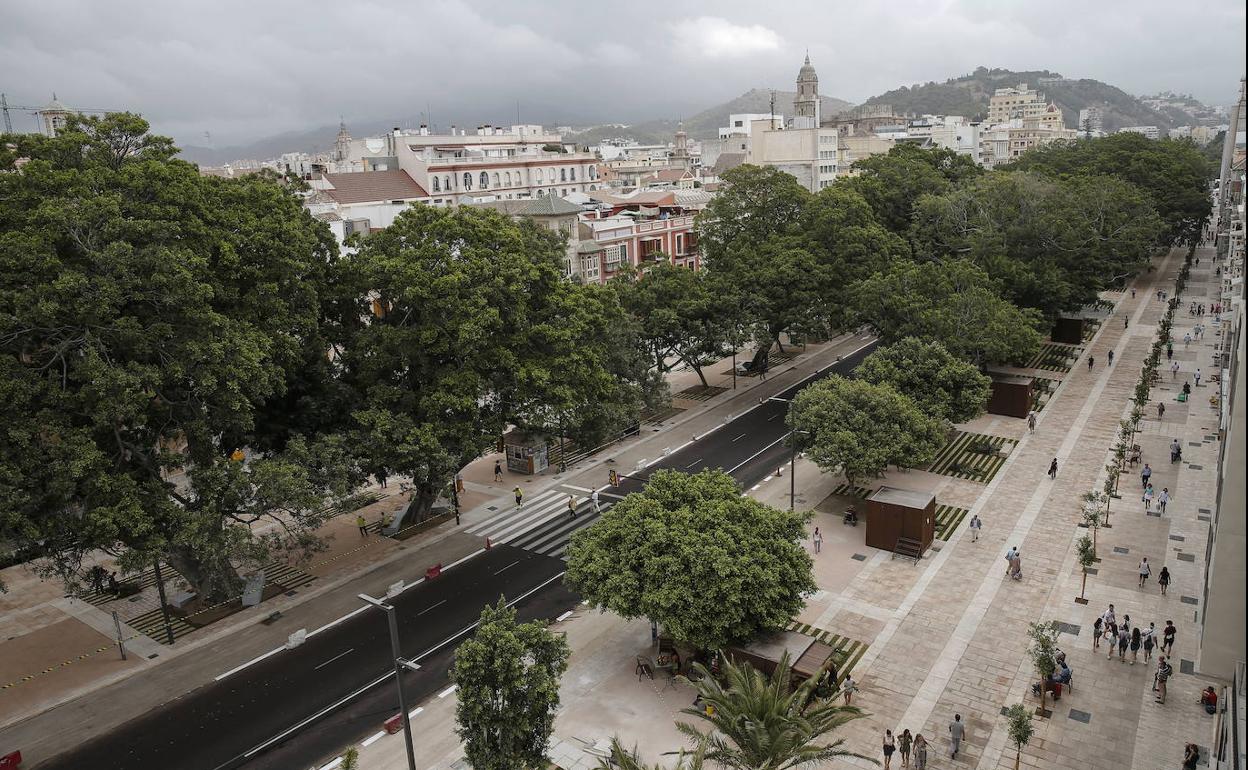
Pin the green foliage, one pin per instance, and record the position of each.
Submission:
(1052, 244)
(893, 183)
(1085, 552)
(677, 314)
(1019, 728)
(691, 553)
(507, 677)
(939, 383)
(1172, 173)
(154, 321)
(351, 759)
(860, 428)
(1043, 650)
(764, 723)
(477, 331)
(756, 205)
(624, 759)
(954, 303)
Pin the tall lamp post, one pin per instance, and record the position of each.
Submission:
(399, 665)
(792, 458)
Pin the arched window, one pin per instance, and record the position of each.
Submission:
(563, 174)
(552, 176)
(539, 176)
(593, 172)
(496, 179)
(572, 174)
(467, 180)
(485, 180)
(437, 184)
(446, 182)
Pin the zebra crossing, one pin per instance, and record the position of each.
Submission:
(542, 524)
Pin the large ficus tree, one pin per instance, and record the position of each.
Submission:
(151, 320)
(467, 327)
(507, 677)
(693, 554)
(942, 385)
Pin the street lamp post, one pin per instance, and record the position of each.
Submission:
(792, 459)
(399, 665)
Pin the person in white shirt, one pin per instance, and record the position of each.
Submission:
(593, 499)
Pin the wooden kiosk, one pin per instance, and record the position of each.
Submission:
(901, 520)
(526, 452)
(1069, 330)
(1011, 395)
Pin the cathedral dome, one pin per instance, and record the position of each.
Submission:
(807, 72)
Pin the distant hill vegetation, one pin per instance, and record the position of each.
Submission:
(968, 95)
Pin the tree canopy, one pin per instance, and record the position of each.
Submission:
(691, 553)
(951, 302)
(151, 319)
(893, 183)
(941, 384)
(860, 428)
(1172, 173)
(475, 329)
(507, 687)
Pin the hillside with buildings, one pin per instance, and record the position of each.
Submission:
(969, 94)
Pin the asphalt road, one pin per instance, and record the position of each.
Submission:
(299, 707)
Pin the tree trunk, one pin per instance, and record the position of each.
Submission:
(424, 495)
(760, 355)
(697, 368)
(1094, 529)
(213, 578)
(1084, 586)
(1018, 756)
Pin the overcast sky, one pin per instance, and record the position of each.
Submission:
(245, 70)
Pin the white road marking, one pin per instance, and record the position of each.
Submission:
(439, 604)
(755, 487)
(337, 762)
(370, 740)
(415, 712)
(738, 438)
(336, 657)
(253, 661)
(695, 462)
(509, 566)
(447, 691)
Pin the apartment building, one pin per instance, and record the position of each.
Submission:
(1008, 104)
(1151, 132)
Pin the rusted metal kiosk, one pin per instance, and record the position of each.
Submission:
(1011, 395)
(902, 521)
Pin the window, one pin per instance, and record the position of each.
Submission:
(507, 176)
(467, 180)
(572, 174)
(446, 182)
(613, 256)
(485, 180)
(738, 123)
(539, 176)
(552, 176)
(437, 186)
(563, 174)
(496, 179)
(593, 172)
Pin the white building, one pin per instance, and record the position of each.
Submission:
(739, 123)
(1152, 132)
(802, 147)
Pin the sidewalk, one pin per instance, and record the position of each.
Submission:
(81, 688)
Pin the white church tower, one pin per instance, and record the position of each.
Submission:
(806, 104)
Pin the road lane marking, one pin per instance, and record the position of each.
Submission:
(251, 662)
(370, 740)
(774, 416)
(282, 735)
(336, 657)
(509, 566)
(564, 616)
(415, 712)
(439, 604)
(336, 763)
(447, 691)
(695, 462)
(738, 438)
(734, 468)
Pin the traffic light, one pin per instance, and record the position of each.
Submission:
(614, 478)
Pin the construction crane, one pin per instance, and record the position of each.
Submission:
(8, 122)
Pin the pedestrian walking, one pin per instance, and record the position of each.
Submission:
(1091, 361)
(1163, 499)
(1009, 559)
(1108, 616)
(1111, 358)
(1169, 350)
(1148, 498)
(1174, 370)
(920, 752)
(1164, 670)
(362, 526)
(975, 525)
(1053, 469)
(848, 688)
(1098, 628)
(519, 493)
(1124, 639)
(459, 483)
(817, 538)
(1163, 579)
(1176, 450)
(498, 471)
(1167, 637)
(593, 501)
(1148, 640)
(1161, 410)
(890, 745)
(957, 731)
(1145, 475)
(1111, 639)
(1031, 421)
(1197, 377)
(904, 742)
(1133, 293)
(1191, 756)
(1145, 570)
(381, 478)
(1135, 645)
(1187, 339)
(572, 506)
(1016, 567)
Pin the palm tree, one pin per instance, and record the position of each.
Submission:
(762, 723)
(623, 759)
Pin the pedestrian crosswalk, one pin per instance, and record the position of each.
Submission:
(543, 524)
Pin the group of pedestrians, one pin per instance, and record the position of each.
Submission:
(1119, 637)
(916, 746)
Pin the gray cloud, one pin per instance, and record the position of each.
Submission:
(244, 70)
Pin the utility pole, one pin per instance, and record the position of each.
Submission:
(399, 665)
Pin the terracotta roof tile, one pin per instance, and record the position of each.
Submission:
(370, 186)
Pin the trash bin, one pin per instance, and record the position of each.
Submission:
(394, 724)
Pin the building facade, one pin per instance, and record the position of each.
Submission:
(1008, 104)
